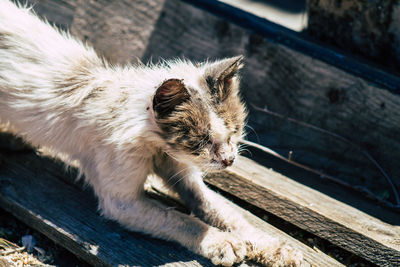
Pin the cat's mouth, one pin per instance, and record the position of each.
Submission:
(218, 165)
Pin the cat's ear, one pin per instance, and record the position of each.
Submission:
(221, 76)
(170, 94)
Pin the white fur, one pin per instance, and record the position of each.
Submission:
(56, 92)
(220, 132)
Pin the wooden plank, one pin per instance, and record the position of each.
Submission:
(340, 105)
(309, 85)
(300, 42)
(129, 25)
(69, 217)
(284, 80)
(59, 12)
(38, 192)
(366, 28)
(312, 211)
(288, 13)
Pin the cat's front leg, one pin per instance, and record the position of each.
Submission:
(206, 204)
(217, 211)
(148, 216)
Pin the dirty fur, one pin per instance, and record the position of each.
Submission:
(174, 119)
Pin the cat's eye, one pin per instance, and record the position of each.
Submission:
(237, 130)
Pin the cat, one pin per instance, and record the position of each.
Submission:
(175, 119)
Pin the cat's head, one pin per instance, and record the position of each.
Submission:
(200, 114)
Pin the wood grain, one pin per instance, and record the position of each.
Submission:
(38, 191)
(69, 217)
(58, 12)
(275, 76)
(128, 27)
(310, 210)
(366, 28)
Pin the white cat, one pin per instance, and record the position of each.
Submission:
(121, 124)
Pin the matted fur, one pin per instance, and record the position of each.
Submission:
(174, 119)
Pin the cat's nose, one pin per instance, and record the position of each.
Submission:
(228, 162)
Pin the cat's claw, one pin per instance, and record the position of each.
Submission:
(223, 248)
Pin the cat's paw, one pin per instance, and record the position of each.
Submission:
(222, 248)
(272, 252)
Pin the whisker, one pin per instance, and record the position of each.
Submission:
(180, 179)
(254, 131)
(170, 155)
(201, 144)
(245, 150)
(176, 174)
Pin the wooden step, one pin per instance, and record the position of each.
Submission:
(341, 224)
(277, 75)
(39, 192)
(288, 74)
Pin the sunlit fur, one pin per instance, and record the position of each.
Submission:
(56, 92)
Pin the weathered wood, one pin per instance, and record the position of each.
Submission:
(32, 189)
(299, 42)
(59, 12)
(310, 210)
(394, 29)
(129, 26)
(297, 85)
(366, 28)
(288, 13)
(68, 216)
(275, 76)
